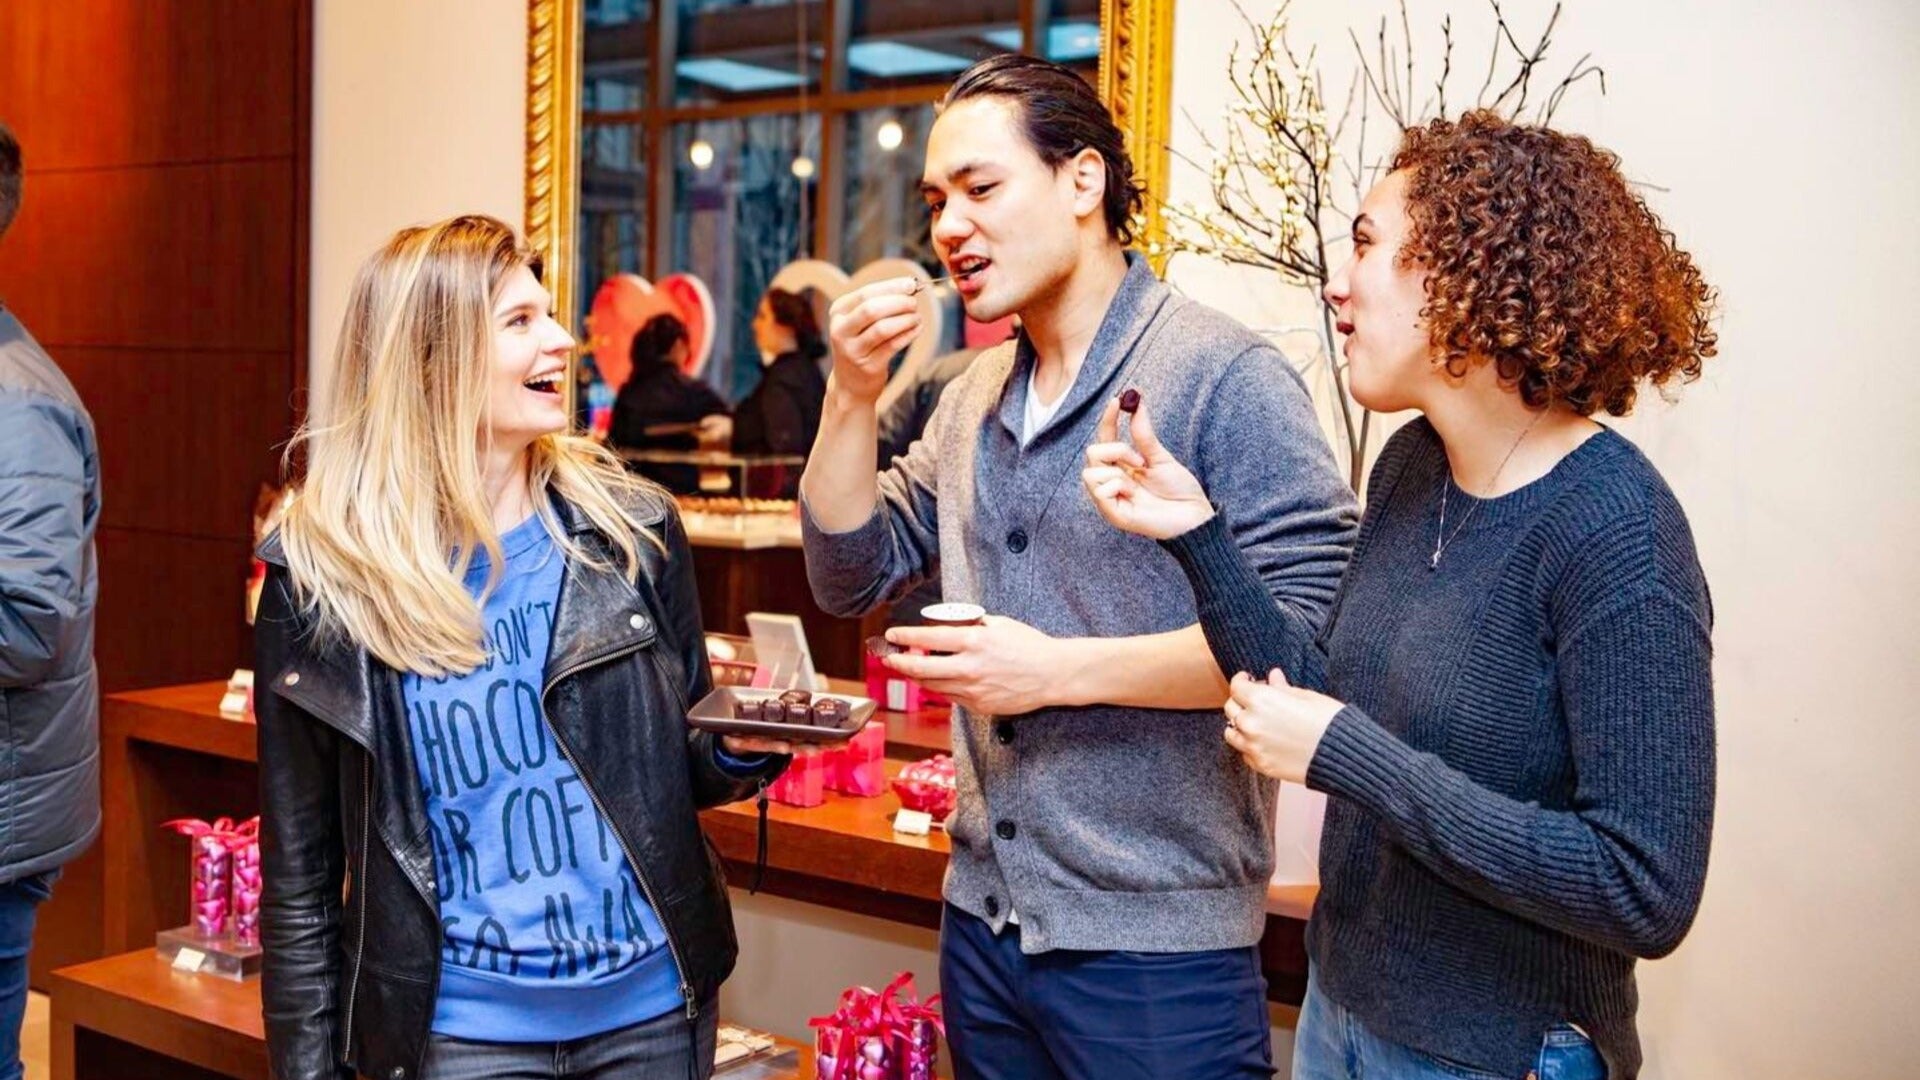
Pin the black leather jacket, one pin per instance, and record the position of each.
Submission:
(349, 984)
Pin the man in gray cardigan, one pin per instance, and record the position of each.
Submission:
(49, 700)
(1110, 852)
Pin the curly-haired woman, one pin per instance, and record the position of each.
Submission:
(1517, 725)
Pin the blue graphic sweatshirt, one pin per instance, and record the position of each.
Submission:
(547, 934)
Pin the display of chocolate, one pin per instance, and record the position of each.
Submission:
(1130, 400)
(795, 707)
(771, 713)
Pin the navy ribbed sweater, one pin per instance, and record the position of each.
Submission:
(1522, 779)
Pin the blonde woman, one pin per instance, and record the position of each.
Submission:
(477, 643)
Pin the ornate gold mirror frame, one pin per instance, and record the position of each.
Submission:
(1136, 79)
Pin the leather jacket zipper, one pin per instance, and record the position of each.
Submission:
(360, 888)
(593, 793)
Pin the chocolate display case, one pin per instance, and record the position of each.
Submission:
(719, 473)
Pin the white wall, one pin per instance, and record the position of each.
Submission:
(1783, 136)
(418, 114)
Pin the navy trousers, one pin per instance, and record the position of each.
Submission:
(1099, 1015)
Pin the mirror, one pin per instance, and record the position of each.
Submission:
(691, 150)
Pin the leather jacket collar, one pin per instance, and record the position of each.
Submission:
(595, 617)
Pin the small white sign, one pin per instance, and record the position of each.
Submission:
(239, 690)
(912, 822)
(188, 960)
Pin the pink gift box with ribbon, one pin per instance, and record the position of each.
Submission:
(858, 766)
(890, 1035)
(803, 784)
(225, 876)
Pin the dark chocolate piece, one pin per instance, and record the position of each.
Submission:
(830, 712)
(746, 710)
(1130, 400)
(878, 645)
(796, 697)
(798, 713)
(773, 711)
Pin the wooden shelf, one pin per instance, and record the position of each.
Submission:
(133, 1015)
(170, 753)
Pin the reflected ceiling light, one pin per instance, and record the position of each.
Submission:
(700, 153)
(893, 60)
(890, 135)
(803, 167)
(735, 77)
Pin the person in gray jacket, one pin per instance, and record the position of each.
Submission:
(49, 696)
(1110, 855)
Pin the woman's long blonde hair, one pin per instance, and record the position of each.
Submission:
(382, 531)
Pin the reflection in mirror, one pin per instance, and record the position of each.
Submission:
(724, 139)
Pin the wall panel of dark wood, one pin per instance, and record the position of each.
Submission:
(160, 256)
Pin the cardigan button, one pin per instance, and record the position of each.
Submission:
(638, 622)
(293, 678)
(1017, 541)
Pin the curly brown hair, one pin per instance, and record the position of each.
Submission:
(1541, 258)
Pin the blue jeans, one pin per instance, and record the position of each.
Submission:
(664, 1046)
(19, 901)
(1099, 1015)
(1332, 1044)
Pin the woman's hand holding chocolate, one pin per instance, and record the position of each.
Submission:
(1141, 488)
(746, 746)
(1276, 727)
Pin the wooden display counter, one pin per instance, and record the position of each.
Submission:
(134, 1016)
(169, 753)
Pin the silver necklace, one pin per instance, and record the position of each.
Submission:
(1441, 539)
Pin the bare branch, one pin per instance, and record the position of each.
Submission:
(1579, 72)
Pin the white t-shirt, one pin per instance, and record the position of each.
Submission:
(1038, 416)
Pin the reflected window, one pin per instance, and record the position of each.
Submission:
(741, 211)
(885, 216)
(733, 51)
(695, 112)
(1071, 29)
(895, 43)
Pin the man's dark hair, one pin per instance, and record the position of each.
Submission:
(9, 178)
(1061, 116)
(655, 339)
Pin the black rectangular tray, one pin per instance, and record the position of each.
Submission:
(715, 713)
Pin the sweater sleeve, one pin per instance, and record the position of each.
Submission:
(1625, 863)
(1247, 628)
(1274, 554)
